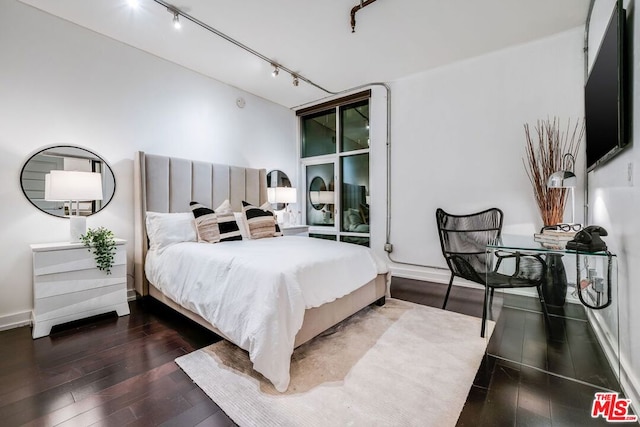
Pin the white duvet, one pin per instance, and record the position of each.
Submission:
(256, 291)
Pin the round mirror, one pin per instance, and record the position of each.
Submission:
(277, 178)
(40, 190)
(317, 188)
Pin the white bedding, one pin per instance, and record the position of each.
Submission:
(256, 291)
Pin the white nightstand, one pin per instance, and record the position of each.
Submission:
(295, 230)
(68, 286)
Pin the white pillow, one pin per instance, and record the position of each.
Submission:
(242, 225)
(165, 229)
(225, 207)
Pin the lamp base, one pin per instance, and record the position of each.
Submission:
(77, 227)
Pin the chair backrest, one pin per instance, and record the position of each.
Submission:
(464, 238)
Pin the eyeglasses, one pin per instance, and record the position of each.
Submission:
(562, 227)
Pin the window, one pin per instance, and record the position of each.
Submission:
(319, 134)
(335, 159)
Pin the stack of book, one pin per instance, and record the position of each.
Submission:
(554, 239)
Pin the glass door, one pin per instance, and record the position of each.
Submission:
(335, 159)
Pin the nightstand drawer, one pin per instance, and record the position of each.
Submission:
(48, 285)
(81, 301)
(295, 230)
(61, 261)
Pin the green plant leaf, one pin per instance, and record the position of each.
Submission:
(102, 243)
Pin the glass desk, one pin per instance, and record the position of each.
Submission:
(581, 343)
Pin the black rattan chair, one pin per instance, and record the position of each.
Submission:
(464, 240)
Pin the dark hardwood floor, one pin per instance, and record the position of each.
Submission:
(531, 376)
(120, 371)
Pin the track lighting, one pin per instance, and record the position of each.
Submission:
(176, 21)
(177, 13)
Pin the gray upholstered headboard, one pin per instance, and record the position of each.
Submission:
(168, 184)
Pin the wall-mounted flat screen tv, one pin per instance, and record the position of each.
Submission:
(604, 95)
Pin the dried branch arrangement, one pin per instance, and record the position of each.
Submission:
(544, 156)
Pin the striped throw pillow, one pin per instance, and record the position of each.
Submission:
(262, 222)
(206, 223)
(229, 228)
(225, 222)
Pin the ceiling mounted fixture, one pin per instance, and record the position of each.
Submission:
(295, 80)
(176, 19)
(177, 13)
(275, 71)
(355, 9)
(133, 3)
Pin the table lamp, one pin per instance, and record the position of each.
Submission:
(324, 198)
(73, 186)
(284, 195)
(565, 179)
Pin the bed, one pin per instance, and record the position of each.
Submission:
(298, 300)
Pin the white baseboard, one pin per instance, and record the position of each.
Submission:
(630, 384)
(628, 381)
(15, 320)
(435, 275)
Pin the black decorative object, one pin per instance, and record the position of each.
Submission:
(554, 287)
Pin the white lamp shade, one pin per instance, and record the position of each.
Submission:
(322, 197)
(282, 195)
(73, 185)
(562, 179)
(47, 190)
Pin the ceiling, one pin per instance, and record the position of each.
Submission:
(393, 38)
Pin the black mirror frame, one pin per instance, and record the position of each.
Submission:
(283, 181)
(322, 186)
(65, 146)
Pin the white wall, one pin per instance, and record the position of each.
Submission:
(615, 204)
(63, 84)
(458, 140)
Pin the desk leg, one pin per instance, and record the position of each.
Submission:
(554, 287)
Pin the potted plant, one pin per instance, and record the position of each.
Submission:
(546, 151)
(102, 242)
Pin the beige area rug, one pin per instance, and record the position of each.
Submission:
(397, 365)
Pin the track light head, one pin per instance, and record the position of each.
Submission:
(176, 21)
(275, 71)
(296, 82)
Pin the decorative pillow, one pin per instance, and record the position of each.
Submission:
(355, 218)
(261, 221)
(241, 225)
(229, 229)
(206, 223)
(364, 212)
(267, 207)
(165, 229)
(217, 225)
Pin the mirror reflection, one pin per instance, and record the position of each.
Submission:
(276, 178)
(316, 189)
(35, 171)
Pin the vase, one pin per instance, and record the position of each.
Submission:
(554, 287)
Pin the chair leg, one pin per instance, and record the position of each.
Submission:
(446, 297)
(543, 303)
(484, 310)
